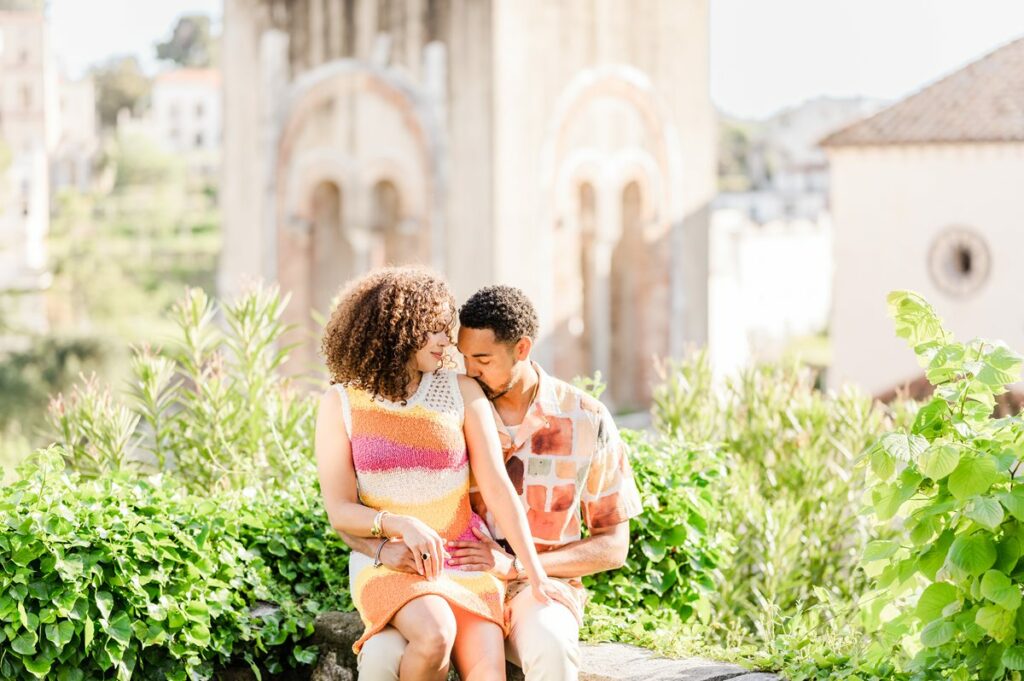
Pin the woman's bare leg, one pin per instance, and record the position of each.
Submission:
(479, 651)
(428, 624)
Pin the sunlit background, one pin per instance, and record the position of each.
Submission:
(655, 179)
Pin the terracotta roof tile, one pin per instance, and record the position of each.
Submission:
(982, 102)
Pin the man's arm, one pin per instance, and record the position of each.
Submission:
(395, 554)
(605, 549)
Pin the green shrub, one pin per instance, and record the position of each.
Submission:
(47, 365)
(141, 539)
(785, 509)
(947, 590)
(672, 557)
(136, 578)
(211, 408)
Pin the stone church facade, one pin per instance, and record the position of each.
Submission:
(565, 147)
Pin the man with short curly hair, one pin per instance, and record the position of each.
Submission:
(565, 459)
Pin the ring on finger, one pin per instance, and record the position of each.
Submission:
(425, 556)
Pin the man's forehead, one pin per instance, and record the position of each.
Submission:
(476, 342)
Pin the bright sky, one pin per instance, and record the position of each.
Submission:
(84, 32)
(765, 54)
(770, 54)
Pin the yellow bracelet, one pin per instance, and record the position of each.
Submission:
(378, 530)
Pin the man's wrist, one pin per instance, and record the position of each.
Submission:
(516, 569)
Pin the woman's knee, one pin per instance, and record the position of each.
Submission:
(433, 634)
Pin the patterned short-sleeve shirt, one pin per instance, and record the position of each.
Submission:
(568, 466)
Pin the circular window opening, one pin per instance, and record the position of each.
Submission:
(959, 261)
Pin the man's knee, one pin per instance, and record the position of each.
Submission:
(381, 656)
(544, 641)
(549, 647)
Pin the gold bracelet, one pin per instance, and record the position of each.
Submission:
(378, 529)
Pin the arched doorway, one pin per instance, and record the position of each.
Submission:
(628, 270)
(331, 250)
(397, 238)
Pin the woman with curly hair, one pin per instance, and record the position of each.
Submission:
(396, 436)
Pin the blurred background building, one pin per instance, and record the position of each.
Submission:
(567, 148)
(651, 173)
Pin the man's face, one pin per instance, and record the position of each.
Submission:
(487, 360)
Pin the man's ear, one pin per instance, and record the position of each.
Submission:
(523, 347)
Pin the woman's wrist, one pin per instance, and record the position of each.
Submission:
(393, 524)
(535, 571)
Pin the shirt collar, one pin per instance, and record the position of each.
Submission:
(544, 404)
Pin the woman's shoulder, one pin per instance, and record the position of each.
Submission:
(468, 386)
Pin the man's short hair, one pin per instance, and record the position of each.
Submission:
(505, 310)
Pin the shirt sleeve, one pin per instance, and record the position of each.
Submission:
(611, 495)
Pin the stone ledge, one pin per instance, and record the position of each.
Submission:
(335, 632)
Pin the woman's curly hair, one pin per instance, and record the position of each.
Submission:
(380, 321)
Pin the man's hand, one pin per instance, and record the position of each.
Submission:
(397, 556)
(484, 555)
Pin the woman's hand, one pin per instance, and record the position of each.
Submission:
(422, 540)
(544, 589)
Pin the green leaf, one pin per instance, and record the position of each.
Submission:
(882, 464)
(25, 644)
(888, 498)
(1013, 658)
(997, 587)
(930, 421)
(973, 554)
(945, 364)
(986, 511)
(60, 633)
(937, 633)
(995, 620)
(933, 600)
(156, 611)
(879, 550)
(1013, 501)
(1001, 367)
(973, 476)
(938, 461)
(903, 447)
(104, 601)
(924, 530)
(915, 319)
(1009, 550)
(653, 549)
(39, 668)
(88, 632)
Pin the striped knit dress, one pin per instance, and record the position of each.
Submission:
(411, 460)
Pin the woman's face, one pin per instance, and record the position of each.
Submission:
(431, 356)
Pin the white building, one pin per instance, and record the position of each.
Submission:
(78, 136)
(770, 286)
(186, 114)
(564, 147)
(789, 170)
(27, 136)
(927, 195)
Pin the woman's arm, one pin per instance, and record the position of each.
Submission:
(489, 471)
(341, 499)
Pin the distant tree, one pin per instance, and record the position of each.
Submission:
(120, 84)
(190, 43)
(735, 145)
(139, 161)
